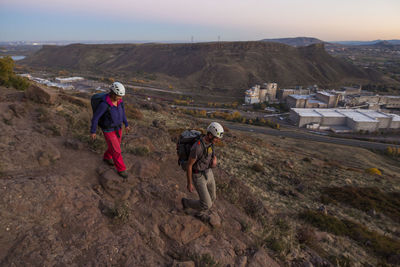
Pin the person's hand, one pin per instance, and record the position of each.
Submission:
(93, 136)
(214, 162)
(127, 129)
(190, 188)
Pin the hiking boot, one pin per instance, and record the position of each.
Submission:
(109, 162)
(183, 201)
(123, 174)
(203, 216)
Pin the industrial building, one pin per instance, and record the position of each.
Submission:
(375, 101)
(320, 99)
(259, 94)
(69, 79)
(284, 93)
(344, 120)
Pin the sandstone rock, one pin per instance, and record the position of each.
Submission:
(114, 185)
(183, 229)
(41, 95)
(145, 169)
(183, 264)
(348, 181)
(48, 156)
(215, 220)
(262, 259)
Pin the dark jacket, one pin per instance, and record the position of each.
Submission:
(114, 120)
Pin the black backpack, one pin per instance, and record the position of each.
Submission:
(105, 121)
(185, 142)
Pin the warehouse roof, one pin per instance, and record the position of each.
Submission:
(306, 112)
(324, 93)
(329, 113)
(395, 117)
(373, 113)
(355, 115)
(359, 115)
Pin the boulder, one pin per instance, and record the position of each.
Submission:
(115, 185)
(183, 229)
(145, 169)
(215, 220)
(262, 259)
(49, 155)
(41, 95)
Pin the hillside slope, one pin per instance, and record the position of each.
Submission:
(63, 206)
(303, 203)
(232, 66)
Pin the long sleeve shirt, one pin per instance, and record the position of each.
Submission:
(111, 122)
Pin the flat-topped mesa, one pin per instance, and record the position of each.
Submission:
(231, 66)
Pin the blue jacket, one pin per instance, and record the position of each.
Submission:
(117, 115)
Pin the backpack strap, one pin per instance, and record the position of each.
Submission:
(205, 152)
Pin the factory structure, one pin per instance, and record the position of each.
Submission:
(317, 109)
(320, 99)
(259, 94)
(374, 101)
(344, 120)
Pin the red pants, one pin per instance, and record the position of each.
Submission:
(114, 149)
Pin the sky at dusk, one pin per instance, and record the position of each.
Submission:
(179, 20)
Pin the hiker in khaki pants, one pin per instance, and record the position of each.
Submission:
(199, 172)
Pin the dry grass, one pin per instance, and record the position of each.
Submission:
(381, 245)
(366, 199)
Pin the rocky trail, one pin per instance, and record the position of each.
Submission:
(61, 205)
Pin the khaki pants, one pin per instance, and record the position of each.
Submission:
(205, 186)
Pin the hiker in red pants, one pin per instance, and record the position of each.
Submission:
(109, 114)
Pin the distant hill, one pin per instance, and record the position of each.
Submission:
(296, 41)
(212, 67)
(393, 42)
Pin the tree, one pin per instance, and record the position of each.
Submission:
(6, 70)
(8, 77)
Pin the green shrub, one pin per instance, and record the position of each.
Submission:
(7, 76)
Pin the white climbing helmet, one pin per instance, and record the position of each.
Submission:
(118, 88)
(216, 129)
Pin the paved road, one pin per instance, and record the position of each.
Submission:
(309, 136)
